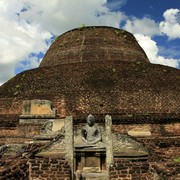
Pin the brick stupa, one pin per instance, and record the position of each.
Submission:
(96, 70)
(99, 71)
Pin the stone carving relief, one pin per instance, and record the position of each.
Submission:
(47, 127)
(55, 135)
(125, 143)
(38, 107)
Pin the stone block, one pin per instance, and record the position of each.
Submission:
(57, 124)
(54, 161)
(124, 171)
(91, 169)
(35, 168)
(39, 172)
(45, 175)
(139, 132)
(54, 169)
(122, 175)
(37, 107)
(120, 168)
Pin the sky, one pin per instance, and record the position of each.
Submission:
(28, 28)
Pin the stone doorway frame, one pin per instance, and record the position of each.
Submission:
(69, 141)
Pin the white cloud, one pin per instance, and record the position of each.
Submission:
(144, 26)
(26, 25)
(151, 49)
(114, 5)
(171, 25)
(6, 72)
(61, 15)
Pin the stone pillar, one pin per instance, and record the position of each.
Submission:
(69, 140)
(109, 141)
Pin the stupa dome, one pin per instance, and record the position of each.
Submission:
(94, 108)
(96, 70)
(94, 44)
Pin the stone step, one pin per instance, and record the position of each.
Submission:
(91, 173)
(94, 176)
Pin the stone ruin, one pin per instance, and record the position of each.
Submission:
(96, 109)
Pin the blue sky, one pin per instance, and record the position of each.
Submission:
(28, 28)
(150, 8)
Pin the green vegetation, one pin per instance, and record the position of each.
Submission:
(119, 32)
(82, 27)
(114, 69)
(56, 38)
(17, 86)
(129, 115)
(105, 40)
(15, 93)
(177, 160)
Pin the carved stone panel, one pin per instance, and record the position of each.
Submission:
(37, 107)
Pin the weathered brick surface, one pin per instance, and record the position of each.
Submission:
(94, 44)
(14, 140)
(49, 168)
(157, 130)
(129, 170)
(161, 164)
(165, 170)
(10, 106)
(97, 88)
(18, 134)
(9, 120)
(15, 170)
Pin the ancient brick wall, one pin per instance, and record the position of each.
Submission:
(29, 130)
(129, 170)
(165, 170)
(142, 170)
(98, 88)
(85, 102)
(14, 140)
(16, 135)
(168, 129)
(9, 120)
(8, 131)
(10, 135)
(49, 168)
(10, 106)
(14, 170)
(117, 101)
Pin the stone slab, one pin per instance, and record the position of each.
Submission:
(139, 133)
(37, 107)
(91, 169)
